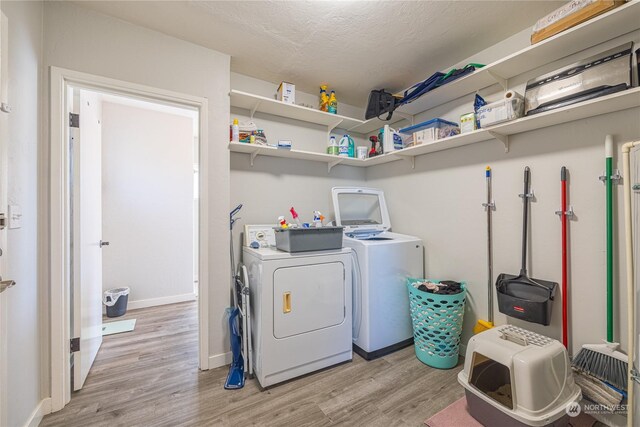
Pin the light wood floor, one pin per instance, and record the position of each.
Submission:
(149, 377)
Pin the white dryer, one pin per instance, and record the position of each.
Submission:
(382, 263)
(300, 310)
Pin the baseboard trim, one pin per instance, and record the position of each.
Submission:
(43, 408)
(219, 360)
(152, 302)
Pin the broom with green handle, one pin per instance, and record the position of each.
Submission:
(604, 361)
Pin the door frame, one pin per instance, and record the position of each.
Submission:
(60, 80)
(4, 175)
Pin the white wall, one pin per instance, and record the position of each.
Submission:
(23, 301)
(147, 204)
(272, 185)
(83, 40)
(441, 202)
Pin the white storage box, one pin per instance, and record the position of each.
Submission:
(287, 93)
(516, 377)
(500, 111)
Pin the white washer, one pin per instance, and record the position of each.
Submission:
(301, 311)
(382, 263)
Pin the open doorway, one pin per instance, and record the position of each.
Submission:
(127, 175)
(134, 222)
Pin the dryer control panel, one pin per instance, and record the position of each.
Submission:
(259, 236)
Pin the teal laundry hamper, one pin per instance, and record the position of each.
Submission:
(437, 325)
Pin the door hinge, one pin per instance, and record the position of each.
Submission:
(3, 221)
(75, 345)
(74, 120)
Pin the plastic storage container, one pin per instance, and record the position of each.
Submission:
(116, 301)
(308, 239)
(516, 377)
(437, 325)
(500, 111)
(431, 130)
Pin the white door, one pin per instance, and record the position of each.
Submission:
(86, 217)
(4, 135)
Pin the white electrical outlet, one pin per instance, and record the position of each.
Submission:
(15, 216)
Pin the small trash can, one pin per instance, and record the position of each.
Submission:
(437, 324)
(116, 301)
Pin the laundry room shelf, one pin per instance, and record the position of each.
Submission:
(607, 104)
(262, 150)
(600, 29)
(261, 104)
(624, 100)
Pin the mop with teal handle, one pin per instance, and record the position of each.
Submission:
(604, 361)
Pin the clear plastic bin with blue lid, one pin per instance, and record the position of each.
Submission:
(431, 130)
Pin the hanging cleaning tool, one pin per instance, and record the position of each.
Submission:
(520, 296)
(604, 361)
(609, 195)
(235, 378)
(295, 216)
(232, 221)
(631, 286)
(564, 214)
(489, 206)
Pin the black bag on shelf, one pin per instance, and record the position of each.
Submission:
(380, 102)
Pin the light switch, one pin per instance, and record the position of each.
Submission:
(15, 216)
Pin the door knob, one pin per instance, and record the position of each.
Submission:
(103, 243)
(6, 284)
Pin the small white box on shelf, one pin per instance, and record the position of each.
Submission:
(284, 144)
(287, 92)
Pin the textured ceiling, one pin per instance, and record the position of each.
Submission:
(353, 46)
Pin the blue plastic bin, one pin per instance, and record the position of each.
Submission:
(433, 123)
(437, 325)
